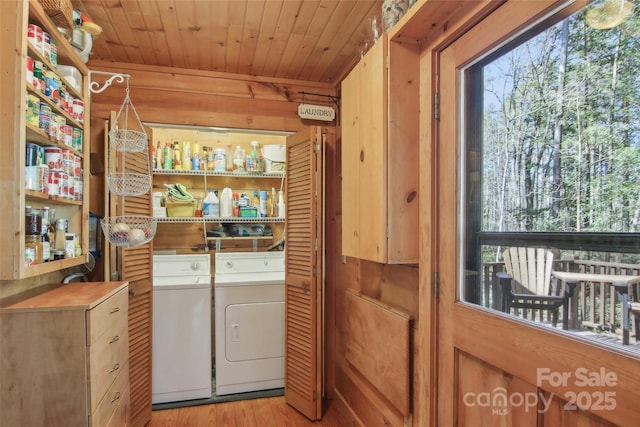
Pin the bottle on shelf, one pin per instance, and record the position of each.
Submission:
(203, 158)
(229, 158)
(186, 155)
(226, 203)
(236, 205)
(195, 157)
(61, 230)
(255, 201)
(211, 205)
(177, 161)
(281, 207)
(44, 239)
(238, 160)
(159, 154)
(263, 209)
(168, 157)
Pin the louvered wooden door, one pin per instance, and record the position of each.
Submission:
(304, 249)
(134, 265)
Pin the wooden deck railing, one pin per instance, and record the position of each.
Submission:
(595, 305)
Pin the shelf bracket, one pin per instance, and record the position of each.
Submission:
(94, 87)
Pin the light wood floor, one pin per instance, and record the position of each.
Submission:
(266, 412)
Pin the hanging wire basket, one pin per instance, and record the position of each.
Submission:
(128, 140)
(129, 184)
(127, 231)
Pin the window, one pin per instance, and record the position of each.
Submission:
(552, 146)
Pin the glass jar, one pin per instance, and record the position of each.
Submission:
(32, 221)
(32, 250)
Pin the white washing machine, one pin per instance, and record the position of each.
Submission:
(249, 321)
(181, 354)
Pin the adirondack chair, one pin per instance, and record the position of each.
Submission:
(526, 283)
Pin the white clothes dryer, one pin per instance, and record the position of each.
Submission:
(249, 321)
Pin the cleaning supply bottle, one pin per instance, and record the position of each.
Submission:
(211, 205)
(281, 207)
(226, 203)
(238, 160)
(186, 155)
(263, 209)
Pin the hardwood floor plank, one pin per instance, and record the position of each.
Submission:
(272, 411)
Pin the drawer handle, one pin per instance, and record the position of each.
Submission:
(115, 368)
(115, 397)
(115, 310)
(115, 339)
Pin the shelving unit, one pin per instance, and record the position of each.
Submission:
(227, 178)
(15, 132)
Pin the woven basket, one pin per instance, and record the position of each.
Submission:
(60, 12)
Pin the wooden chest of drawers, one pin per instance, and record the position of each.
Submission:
(64, 357)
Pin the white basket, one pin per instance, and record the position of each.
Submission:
(129, 184)
(131, 141)
(129, 230)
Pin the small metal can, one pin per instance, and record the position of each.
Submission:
(30, 70)
(53, 125)
(33, 110)
(34, 35)
(76, 139)
(53, 183)
(45, 115)
(63, 185)
(53, 58)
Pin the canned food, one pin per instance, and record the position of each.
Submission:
(30, 70)
(52, 86)
(38, 75)
(53, 183)
(71, 185)
(63, 185)
(78, 110)
(32, 178)
(43, 176)
(45, 115)
(33, 110)
(46, 45)
(34, 35)
(67, 162)
(53, 157)
(76, 139)
(61, 122)
(53, 125)
(77, 163)
(67, 138)
(53, 58)
(31, 154)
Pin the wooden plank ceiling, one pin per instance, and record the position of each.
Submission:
(308, 40)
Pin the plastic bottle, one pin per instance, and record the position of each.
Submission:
(159, 153)
(168, 157)
(229, 158)
(211, 205)
(186, 155)
(177, 160)
(255, 201)
(254, 156)
(235, 205)
(226, 203)
(238, 160)
(281, 207)
(263, 204)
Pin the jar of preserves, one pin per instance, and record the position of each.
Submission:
(32, 250)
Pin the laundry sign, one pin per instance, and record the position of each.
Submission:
(316, 112)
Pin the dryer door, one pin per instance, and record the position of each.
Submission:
(254, 331)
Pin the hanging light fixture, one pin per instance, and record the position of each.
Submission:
(608, 14)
